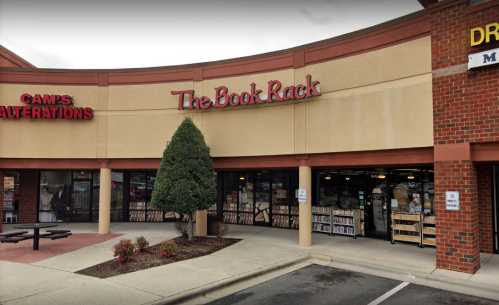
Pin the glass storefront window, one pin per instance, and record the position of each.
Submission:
(140, 191)
(95, 196)
(230, 196)
(10, 197)
(245, 210)
(262, 198)
(117, 196)
(280, 199)
(259, 197)
(138, 197)
(55, 196)
(376, 193)
(153, 214)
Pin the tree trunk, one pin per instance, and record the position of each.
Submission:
(190, 227)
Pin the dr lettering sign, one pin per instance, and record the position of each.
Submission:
(275, 93)
(484, 35)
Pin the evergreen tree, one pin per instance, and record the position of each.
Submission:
(185, 181)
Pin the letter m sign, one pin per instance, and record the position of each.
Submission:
(489, 58)
(481, 59)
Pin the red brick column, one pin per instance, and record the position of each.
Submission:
(458, 246)
(484, 175)
(28, 196)
(465, 113)
(1, 201)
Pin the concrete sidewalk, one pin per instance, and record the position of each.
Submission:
(52, 281)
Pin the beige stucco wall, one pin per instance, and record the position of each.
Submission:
(376, 100)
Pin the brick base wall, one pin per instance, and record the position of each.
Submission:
(28, 196)
(484, 176)
(458, 246)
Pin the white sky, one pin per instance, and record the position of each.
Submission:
(127, 34)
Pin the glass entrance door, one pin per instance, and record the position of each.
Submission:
(82, 199)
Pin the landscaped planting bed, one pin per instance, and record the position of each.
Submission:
(151, 256)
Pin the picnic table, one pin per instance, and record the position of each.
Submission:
(36, 231)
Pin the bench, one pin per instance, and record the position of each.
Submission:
(56, 234)
(12, 233)
(15, 237)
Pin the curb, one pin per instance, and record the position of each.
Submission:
(490, 290)
(196, 292)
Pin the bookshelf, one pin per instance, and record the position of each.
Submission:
(346, 222)
(322, 219)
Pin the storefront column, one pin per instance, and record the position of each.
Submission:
(104, 200)
(305, 208)
(201, 223)
(457, 225)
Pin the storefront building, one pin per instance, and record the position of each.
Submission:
(391, 132)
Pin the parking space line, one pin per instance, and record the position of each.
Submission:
(389, 293)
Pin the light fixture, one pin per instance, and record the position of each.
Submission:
(410, 177)
(347, 178)
(327, 177)
(381, 176)
(241, 178)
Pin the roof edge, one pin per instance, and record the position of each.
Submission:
(14, 58)
(388, 33)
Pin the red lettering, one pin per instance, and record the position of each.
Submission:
(221, 97)
(17, 113)
(35, 113)
(37, 99)
(66, 100)
(3, 112)
(205, 102)
(234, 99)
(181, 98)
(78, 114)
(26, 98)
(245, 98)
(68, 113)
(288, 93)
(312, 89)
(273, 91)
(26, 112)
(300, 92)
(46, 114)
(88, 113)
(48, 99)
(255, 95)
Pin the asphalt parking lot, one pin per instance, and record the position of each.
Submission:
(315, 284)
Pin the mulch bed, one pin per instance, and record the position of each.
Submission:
(186, 249)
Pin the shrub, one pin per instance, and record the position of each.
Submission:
(185, 181)
(124, 250)
(167, 248)
(141, 244)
